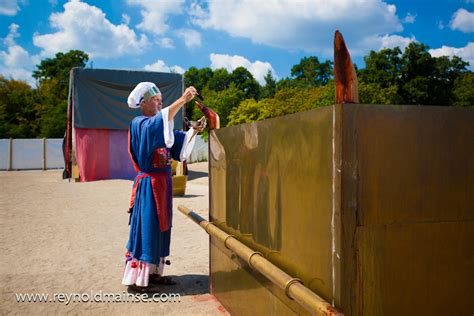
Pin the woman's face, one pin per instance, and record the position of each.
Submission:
(152, 105)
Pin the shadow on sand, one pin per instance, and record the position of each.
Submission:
(196, 174)
(189, 196)
(188, 284)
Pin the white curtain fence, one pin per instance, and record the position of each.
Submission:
(47, 153)
(30, 154)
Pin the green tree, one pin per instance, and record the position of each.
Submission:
(417, 72)
(447, 71)
(58, 68)
(463, 90)
(312, 72)
(416, 76)
(248, 110)
(372, 93)
(286, 101)
(18, 109)
(223, 102)
(289, 83)
(382, 68)
(197, 77)
(220, 80)
(52, 111)
(53, 77)
(269, 89)
(244, 80)
(426, 79)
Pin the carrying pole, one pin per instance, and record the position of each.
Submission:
(293, 287)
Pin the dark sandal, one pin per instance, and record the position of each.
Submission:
(143, 289)
(153, 278)
(163, 280)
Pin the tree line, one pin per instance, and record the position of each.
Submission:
(27, 112)
(411, 77)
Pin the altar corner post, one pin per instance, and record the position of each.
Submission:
(345, 77)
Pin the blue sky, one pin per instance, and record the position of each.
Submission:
(260, 35)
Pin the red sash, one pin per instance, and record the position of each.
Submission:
(159, 187)
(160, 193)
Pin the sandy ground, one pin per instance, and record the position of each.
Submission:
(65, 237)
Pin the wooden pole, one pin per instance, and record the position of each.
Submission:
(293, 287)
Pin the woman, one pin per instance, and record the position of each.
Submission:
(152, 144)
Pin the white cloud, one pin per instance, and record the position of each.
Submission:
(166, 42)
(466, 52)
(441, 25)
(53, 2)
(9, 7)
(16, 57)
(410, 18)
(125, 18)
(161, 66)
(306, 25)
(15, 61)
(379, 42)
(190, 37)
(85, 27)
(391, 41)
(177, 69)
(155, 14)
(258, 68)
(197, 12)
(9, 40)
(462, 20)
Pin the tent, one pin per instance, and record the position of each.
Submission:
(98, 119)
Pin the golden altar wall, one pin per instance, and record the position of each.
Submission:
(372, 207)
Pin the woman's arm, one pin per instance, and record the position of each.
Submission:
(187, 96)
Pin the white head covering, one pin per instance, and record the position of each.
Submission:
(142, 92)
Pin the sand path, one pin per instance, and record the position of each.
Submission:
(65, 237)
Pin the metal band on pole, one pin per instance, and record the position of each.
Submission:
(250, 258)
(225, 240)
(293, 287)
(289, 283)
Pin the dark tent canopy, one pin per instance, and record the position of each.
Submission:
(99, 117)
